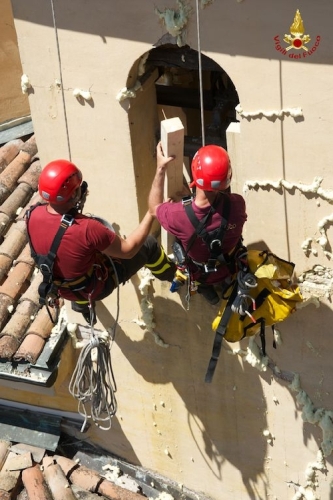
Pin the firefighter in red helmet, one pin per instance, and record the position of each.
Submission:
(81, 257)
(207, 225)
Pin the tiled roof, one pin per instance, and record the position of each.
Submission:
(29, 472)
(25, 326)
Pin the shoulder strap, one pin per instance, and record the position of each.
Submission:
(46, 265)
(215, 238)
(45, 262)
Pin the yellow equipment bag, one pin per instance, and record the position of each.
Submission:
(261, 294)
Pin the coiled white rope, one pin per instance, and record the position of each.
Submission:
(93, 383)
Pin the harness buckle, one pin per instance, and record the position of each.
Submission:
(215, 243)
(210, 267)
(67, 219)
(187, 200)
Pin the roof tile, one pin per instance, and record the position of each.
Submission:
(8, 152)
(5, 265)
(11, 174)
(15, 240)
(57, 482)
(8, 479)
(4, 222)
(31, 175)
(17, 281)
(4, 447)
(6, 305)
(25, 326)
(28, 473)
(20, 462)
(8, 346)
(30, 349)
(17, 199)
(35, 484)
(36, 452)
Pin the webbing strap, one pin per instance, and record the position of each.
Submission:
(219, 334)
(46, 266)
(213, 239)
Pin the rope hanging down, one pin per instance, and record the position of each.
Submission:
(200, 76)
(93, 383)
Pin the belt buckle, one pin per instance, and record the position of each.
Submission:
(67, 219)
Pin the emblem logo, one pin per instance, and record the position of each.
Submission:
(296, 40)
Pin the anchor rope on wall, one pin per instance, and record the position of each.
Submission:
(200, 76)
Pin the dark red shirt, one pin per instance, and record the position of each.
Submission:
(78, 249)
(173, 218)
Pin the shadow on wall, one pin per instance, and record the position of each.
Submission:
(221, 431)
(256, 20)
(227, 417)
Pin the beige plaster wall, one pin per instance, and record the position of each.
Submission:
(13, 103)
(246, 435)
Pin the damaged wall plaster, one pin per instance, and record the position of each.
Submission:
(85, 94)
(147, 310)
(314, 188)
(317, 282)
(25, 84)
(128, 93)
(176, 21)
(320, 416)
(307, 492)
(293, 112)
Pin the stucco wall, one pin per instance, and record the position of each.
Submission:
(13, 103)
(243, 436)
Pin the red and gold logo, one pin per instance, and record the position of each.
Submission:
(297, 39)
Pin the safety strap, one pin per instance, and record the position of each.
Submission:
(213, 239)
(45, 262)
(219, 334)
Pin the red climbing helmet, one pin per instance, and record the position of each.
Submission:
(58, 180)
(211, 169)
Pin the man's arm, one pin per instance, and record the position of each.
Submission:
(127, 248)
(156, 194)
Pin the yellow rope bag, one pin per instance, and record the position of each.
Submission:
(261, 294)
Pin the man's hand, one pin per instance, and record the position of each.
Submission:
(155, 197)
(162, 161)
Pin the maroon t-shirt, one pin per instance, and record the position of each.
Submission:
(173, 218)
(78, 249)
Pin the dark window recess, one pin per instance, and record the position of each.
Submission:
(179, 85)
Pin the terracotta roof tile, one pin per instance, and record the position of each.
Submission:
(35, 484)
(18, 280)
(57, 482)
(5, 265)
(4, 222)
(8, 152)
(4, 446)
(30, 349)
(25, 326)
(37, 453)
(8, 479)
(29, 472)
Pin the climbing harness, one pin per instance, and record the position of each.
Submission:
(48, 290)
(92, 382)
(214, 241)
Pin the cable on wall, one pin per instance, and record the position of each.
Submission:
(62, 86)
(200, 76)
